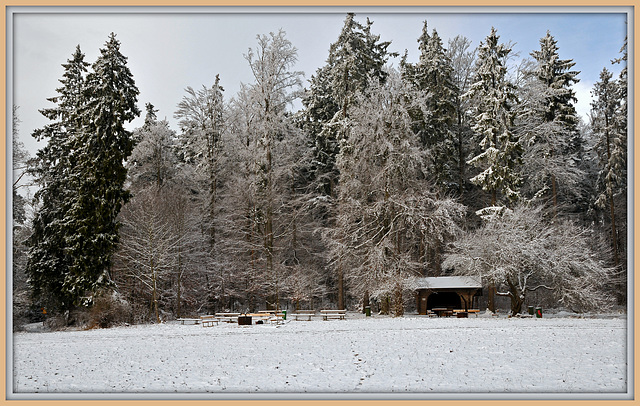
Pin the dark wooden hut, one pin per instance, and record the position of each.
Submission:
(452, 292)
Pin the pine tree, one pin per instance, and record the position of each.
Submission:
(48, 257)
(433, 76)
(357, 56)
(354, 59)
(100, 173)
(551, 122)
(611, 134)
(494, 97)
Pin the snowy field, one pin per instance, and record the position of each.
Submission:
(413, 354)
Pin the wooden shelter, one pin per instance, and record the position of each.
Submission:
(453, 292)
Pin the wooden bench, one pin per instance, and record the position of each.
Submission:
(465, 313)
(268, 315)
(336, 314)
(228, 317)
(182, 320)
(208, 320)
(304, 313)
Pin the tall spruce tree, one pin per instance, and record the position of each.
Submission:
(433, 76)
(493, 112)
(48, 257)
(106, 144)
(493, 115)
(92, 182)
(611, 140)
(552, 125)
(357, 56)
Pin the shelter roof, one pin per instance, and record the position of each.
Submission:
(448, 282)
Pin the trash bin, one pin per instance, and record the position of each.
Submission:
(530, 308)
(539, 312)
(284, 315)
(244, 320)
(367, 311)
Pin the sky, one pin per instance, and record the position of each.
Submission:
(169, 49)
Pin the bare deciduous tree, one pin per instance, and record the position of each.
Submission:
(521, 251)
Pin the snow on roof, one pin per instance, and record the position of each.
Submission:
(448, 282)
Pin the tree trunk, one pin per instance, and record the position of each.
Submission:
(179, 288)
(614, 236)
(461, 160)
(385, 305)
(365, 301)
(516, 304)
(492, 298)
(517, 299)
(340, 288)
(399, 301)
(155, 296)
(554, 191)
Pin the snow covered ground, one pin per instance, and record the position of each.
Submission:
(413, 354)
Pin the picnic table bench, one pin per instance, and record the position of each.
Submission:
(466, 313)
(442, 311)
(182, 320)
(304, 313)
(227, 317)
(332, 313)
(268, 315)
(208, 320)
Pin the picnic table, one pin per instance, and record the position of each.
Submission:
(333, 313)
(304, 314)
(268, 315)
(209, 320)
(228, 317)
(442, 311)
(182, 320)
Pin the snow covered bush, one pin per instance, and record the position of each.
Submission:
(522, 251)
(108, 311)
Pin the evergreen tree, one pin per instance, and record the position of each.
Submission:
(104, 145)
(611, 144)
(48, 257)
(494, 97)
(551, 123)
(433, 76)
(357, 56)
